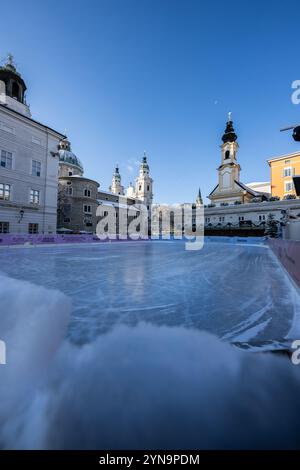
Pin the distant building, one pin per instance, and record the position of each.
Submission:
(250, 215)
(230, 189)
(28, 162)
(123, 204)
(77, 195)
(261, 187)
(282, 171)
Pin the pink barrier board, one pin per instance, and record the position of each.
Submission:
(288, 253)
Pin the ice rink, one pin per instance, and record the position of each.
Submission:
(110, 347)
(238, 292)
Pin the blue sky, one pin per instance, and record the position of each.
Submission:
(160, 75)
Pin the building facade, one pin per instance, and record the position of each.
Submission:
(250, 215)
(29, 162)
(127, 205)
(282, 171)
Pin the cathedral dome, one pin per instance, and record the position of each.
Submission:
(67, 156)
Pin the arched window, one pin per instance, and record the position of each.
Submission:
(15, 91)
(227, 154)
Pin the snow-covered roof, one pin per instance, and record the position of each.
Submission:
(117, 205)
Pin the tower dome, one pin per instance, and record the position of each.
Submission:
(14, 84)
(69, 163)
(13, 88)
(229, 134)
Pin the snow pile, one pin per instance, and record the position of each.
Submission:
(143, 387)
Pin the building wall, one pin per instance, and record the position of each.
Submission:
(282, 171)
(27, 140)
(257, 213)
(72, 201)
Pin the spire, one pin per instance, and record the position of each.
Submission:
(116, 186)
(229, 134)
(199, 198)
(145, 157)
(10, 63)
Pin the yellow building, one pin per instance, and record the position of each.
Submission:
(282, 171)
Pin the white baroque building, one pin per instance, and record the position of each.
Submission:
(29, 162)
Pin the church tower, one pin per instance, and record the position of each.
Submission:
(229, 170)
(229, 189)
(13, 88)
(144, 183)
(116, 186)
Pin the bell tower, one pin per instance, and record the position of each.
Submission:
(116, 186)
(144, 183)
(229, 170)
(13, 88)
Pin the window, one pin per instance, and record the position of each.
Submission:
(221, 219)
(70, 190)
(34, 196)
(241, 218)
(87, 193)
(70, 173)
(288, 186)
(207, 219)
(6, 159)
(67, 220)
(36, 140)
(140, 187)
(5, 191)
(33, 228)
(105, 213)
(6, 128)
(4, 227)
(36, 168)
(148, 187)
(227, 154)
(87, 209)
(262, 217)
(287, 171)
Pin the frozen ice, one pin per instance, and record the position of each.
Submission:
(238, 292)
(128, 377)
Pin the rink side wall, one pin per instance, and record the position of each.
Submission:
(288, 253)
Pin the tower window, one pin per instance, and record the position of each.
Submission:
(140, 187)
(87, 193)
(15, 91)
(148, 187)
(227, 154)
(87, 209)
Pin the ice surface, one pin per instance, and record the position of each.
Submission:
(238, 292)
(160, 384)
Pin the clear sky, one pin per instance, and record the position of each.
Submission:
(124, 76)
